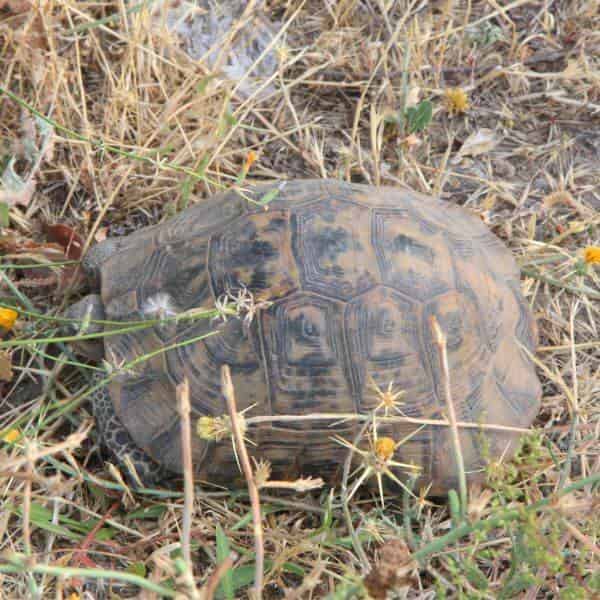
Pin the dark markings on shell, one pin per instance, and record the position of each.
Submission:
(382, 333)
(354, 275)
(254, 253)
(306, 363)
(333, 250)
(411, 259)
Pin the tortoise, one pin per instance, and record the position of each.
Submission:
(343, 280)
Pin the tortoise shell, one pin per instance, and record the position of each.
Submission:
(345, 279)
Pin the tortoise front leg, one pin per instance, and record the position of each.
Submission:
(137, 465)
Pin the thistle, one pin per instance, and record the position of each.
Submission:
(378, 460)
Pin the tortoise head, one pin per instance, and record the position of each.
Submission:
(83, 315)
(90, 308)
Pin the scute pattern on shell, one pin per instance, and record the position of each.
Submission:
(353, 274)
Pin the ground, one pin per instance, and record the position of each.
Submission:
(109, 122)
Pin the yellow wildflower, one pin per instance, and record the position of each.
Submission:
(385, 448)
(378, 461)
(457, 100)
(592, 255)
(10, 436)
(8, 316)
(250, 160)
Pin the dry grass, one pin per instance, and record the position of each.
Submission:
(135, 130)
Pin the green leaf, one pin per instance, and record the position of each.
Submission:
(137, 568)
(67, 527)
(239, 578)
(244, 576)
(247, 518)
(517, 584)
(454, 504)
(268, 197)
(347, 542)
(328, 514)
(418, 117)
(226, 586)
(42, 518)
(291, 568)
(348, 591)
(4, 215)
(475, 576)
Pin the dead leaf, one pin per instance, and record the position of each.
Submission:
(71, 276)
(12, 244)
(566, 198)
(5, 366)
(14, 190)
(479, 499)
(479, 142)
(574, 69)
(39, 282)
(207, 35)
(36, 145)
(559, 197)
(66, 244)
(391, 570)
(67, 238)
(16, 6)
(413, 97)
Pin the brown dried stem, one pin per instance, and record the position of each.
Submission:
(382, 419)
(183, 395)
(210, 588)
(440, 342)
(242, 453)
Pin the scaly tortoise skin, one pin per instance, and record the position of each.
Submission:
(354, 274)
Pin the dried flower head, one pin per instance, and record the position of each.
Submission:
(217, 428)
(240, 302)
(457, 101)
(388, 398)
(262, 472)
(591, 255)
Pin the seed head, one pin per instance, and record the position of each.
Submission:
(160, 306)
